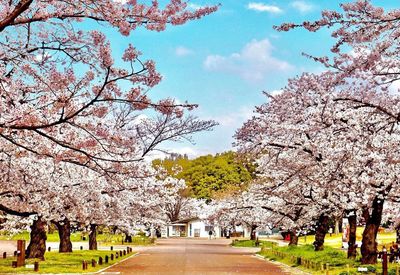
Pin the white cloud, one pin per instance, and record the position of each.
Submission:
(183, 51)
(194, 6)
(302, 6)
(275, 92)
(166, 152)
(254, 62)
(261, 7)
(236, 119)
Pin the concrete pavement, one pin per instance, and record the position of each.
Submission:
(195, 256)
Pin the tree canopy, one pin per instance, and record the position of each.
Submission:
(209, 176)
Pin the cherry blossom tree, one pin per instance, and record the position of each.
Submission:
(62, 94)
(312, 140)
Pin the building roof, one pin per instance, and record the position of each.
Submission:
(185, 220)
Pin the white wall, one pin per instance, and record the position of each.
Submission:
(199, 226)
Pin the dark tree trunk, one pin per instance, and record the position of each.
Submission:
(128, 238)
(37, 244)
(322, 229)
(373, 221)
(253, 232)
(93, 237)
(114, 229)
(352, 250)
(294, 239)
(64, 231)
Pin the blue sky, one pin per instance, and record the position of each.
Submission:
(224, 61)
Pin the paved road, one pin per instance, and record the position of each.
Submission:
(195, 256)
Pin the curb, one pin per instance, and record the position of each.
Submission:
(287, 267)
(104, 269)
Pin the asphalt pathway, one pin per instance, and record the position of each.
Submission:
(195, 256)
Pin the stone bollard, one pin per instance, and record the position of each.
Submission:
(4, 255)
(15, 253)
(127, 250)
(36, 266)
(112, 257)
(49, 249)
(112, 248)
(106, 259)
(124, 252)
(81, 247)
(100, 261)
(120, 253)
(93, 263)
(14, 264)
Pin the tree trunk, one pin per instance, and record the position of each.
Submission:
(322, 229)
(37, 244)
(352, 250)
(294, 239)
(64, 231)
(128, 238)
(93, 237)
(253, 232)
(337, 231)
(373, 221)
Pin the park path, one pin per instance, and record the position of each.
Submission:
(195, 256)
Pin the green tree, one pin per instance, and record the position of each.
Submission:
(210, 176)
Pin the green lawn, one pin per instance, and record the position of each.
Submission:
(305, 258)
(311, 261)
(62, 262)
(250, 243)
(103, 239)
(335, 241)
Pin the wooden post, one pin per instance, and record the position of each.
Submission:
(100, 261)
(106, 259)
(4, 255)
(36, 266)
(327, 269)
(397, 270)
(14, 264)
(83, 265)
(120, 253)
(49, 249)
(93, 263)
(384, 263)
(322, 267)
(116, 255)
(20, 252)
(15, 253)
(112, 248)
(124, 252)
(81, 247)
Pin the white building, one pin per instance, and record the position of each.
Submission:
(197, 228)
